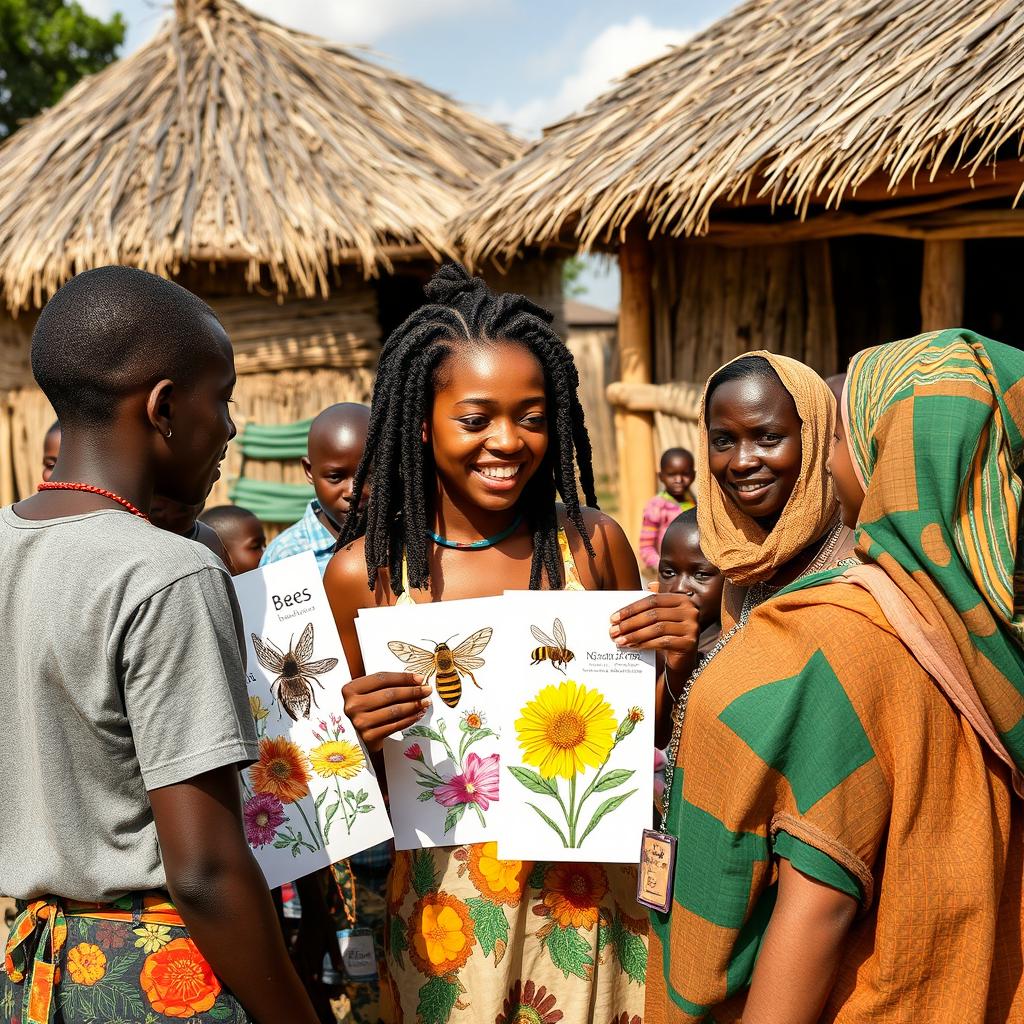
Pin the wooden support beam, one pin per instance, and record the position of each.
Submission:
(942, 284)
(635, 430)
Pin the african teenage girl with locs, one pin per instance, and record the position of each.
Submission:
(475, 431)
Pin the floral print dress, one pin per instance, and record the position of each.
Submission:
(472, 939)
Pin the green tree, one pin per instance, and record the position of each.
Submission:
(45, 47)
(572, 270)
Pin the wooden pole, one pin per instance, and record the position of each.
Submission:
(635, 430)
(942, 284)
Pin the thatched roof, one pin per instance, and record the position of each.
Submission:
(229, 138)
(782, 101)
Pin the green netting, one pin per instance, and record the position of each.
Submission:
(282, 441)
(271, 501)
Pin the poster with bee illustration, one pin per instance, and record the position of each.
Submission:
(442, 772)
(312, 799)
(576, 718)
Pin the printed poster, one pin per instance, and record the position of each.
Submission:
(442, 772)
(313, 798)
(576, 718)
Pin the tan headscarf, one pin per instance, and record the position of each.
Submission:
(733, 541)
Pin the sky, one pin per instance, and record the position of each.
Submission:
(524, 63)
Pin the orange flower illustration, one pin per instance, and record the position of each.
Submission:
(86, 963)
(281, 770)
(178, 981)
(572, 893)
(442, 934)
(501, 881)
(398, 880)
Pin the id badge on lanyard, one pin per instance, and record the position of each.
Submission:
(657, 870)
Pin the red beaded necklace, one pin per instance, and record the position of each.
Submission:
(124, 502)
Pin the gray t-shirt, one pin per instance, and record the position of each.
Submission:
(120, 672)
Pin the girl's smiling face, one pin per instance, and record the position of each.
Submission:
(488, 427)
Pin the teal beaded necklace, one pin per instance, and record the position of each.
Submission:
(486, 542)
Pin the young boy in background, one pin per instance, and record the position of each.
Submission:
(51, 449)
(335, 445)
(337, 438)
(241, 533)
(676, 475)
(123, 681)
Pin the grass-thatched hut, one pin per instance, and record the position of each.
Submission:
(808, 176)
(299, 188)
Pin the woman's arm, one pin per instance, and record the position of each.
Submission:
(222, 896)
(797, 963)
(385, 702)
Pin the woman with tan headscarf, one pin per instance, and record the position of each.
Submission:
(851, 763)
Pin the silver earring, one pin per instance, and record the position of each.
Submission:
(168, 435)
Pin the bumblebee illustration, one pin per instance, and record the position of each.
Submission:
(448, 665)
(554, 649)
(296, 671)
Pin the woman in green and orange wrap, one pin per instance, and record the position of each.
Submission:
(847, 796)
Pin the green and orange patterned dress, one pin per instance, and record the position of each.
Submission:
(476, 940)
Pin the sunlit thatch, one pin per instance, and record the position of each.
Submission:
(228, 138)
(788, 101)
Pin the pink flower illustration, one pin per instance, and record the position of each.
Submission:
(414, 753)
(264, 815)
(478, 783)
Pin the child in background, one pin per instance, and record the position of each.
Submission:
(335, 445)
(677, 474)
(683, 569)
(51, 449)
(127, 717)
(241, 533)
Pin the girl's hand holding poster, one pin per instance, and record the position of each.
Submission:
(312, 799)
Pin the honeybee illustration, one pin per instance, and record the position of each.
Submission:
(296, 673)
(554, 650)
(445, 663)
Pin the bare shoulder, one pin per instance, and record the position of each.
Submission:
(346, 579)
(613, 565)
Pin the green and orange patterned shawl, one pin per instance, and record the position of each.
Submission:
(816, 736)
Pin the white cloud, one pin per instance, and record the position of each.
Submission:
(359, 21)
(607, 57)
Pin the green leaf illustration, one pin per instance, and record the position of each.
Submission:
(423, 878)
(606, 808)
(427, 794)
(569, 952)
(220, 1013)
(613, 779)
(329, 817)
(425, 731)
(489, 923)
(281, 842)
(551, 824)
(437, 1000)
(533, 782)
(454, 817)
(320, 800)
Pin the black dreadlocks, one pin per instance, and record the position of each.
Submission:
(462, 310)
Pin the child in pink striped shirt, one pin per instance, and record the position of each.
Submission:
(676, 475)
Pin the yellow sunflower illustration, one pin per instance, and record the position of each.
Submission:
(566, 728)
(337, 757)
